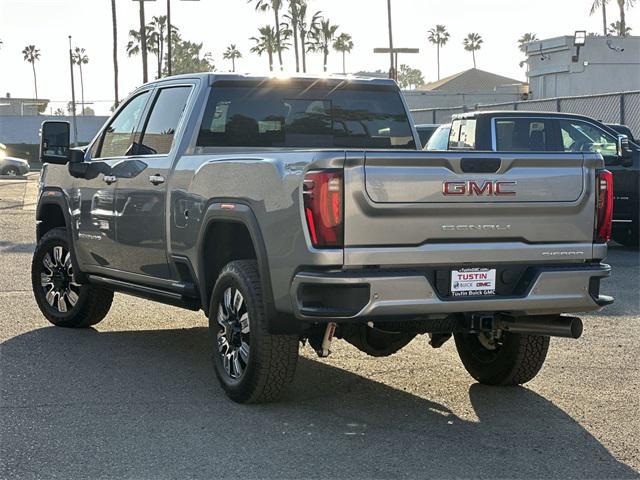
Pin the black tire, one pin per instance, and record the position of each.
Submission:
(513, 360)
(13, 171)
(629, 237)
(89, 303)
(265, 363)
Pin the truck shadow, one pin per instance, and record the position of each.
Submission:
(144, 404)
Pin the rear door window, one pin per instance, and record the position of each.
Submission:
(305, 115)
(523, 135)
(162, 123)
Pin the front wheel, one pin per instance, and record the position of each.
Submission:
(252, 365)
(11, 171)
(62, 299)
(511, 359)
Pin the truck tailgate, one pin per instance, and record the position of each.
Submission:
(469, 202)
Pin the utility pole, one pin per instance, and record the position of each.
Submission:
(393, 74)
(73, 97)
(169, 37)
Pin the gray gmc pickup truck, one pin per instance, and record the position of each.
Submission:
(303, 209)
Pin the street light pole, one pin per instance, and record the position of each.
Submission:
(73, 97)
(392, 70)
(169, 37)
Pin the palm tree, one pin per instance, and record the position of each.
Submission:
(80, 58)
(343, 44)
(266, 43)
(231, 54)
(323, 36)
(603, 5)
(305, 29)
(157, 29)
(472, 43)
(439, 37)
(31, 54)
(115, 51)
(525, 40)
(623, 30)
(274, 5)
(293, 20)
(134, 45)
(143, 32)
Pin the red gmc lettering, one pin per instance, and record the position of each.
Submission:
(472, 187)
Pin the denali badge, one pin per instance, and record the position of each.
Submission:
(483, 187)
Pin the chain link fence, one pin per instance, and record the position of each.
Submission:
(620, 107)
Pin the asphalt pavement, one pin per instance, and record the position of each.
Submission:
(135, 397)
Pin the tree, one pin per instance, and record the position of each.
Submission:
(266, 43)
(59, 112)
(275, 6)
(231, 54)
(187, 57)
(31, 54)
(143, 42)
(616, 29)
(305, 30)
(88, 111)
(602, 4)
(525, 40)
(622, 4)
(472, 43)
(80, 58)
(322, 37)
(157, 29)
(344, 45)
(292, 18)
(410, 77)
(115, 52)
(439, 37)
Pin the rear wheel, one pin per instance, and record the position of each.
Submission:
(252, 365)
(62, 299)
(11, 171)
(511, 359)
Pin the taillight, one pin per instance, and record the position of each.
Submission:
(322, 193)
(604, 206)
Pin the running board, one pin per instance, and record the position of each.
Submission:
(144, 291)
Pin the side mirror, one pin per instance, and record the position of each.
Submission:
(54, 142)
(624, 151)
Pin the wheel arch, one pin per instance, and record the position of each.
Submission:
(236, 227)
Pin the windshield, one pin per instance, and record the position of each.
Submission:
(305, 115)
(440, 138)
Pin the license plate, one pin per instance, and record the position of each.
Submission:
(471, 282)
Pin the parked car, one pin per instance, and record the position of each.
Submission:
(10, 165)
(425, 130)
(561, 132)
(300, 209)
(440, 138)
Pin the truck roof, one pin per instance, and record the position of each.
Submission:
(519, 113)
(213, 77)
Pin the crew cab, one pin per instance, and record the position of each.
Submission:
(561, 132)
(303, 210)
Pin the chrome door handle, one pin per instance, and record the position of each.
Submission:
(156, 179)
(109, 179)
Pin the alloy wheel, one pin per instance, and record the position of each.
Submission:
(233, 335)
(61, 290)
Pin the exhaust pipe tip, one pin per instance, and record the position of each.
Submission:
(575, 327)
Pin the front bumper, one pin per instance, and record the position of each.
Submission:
(353, 295)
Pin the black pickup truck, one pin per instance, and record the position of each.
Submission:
(520, 131)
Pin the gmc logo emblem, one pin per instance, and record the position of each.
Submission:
(483, 187)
